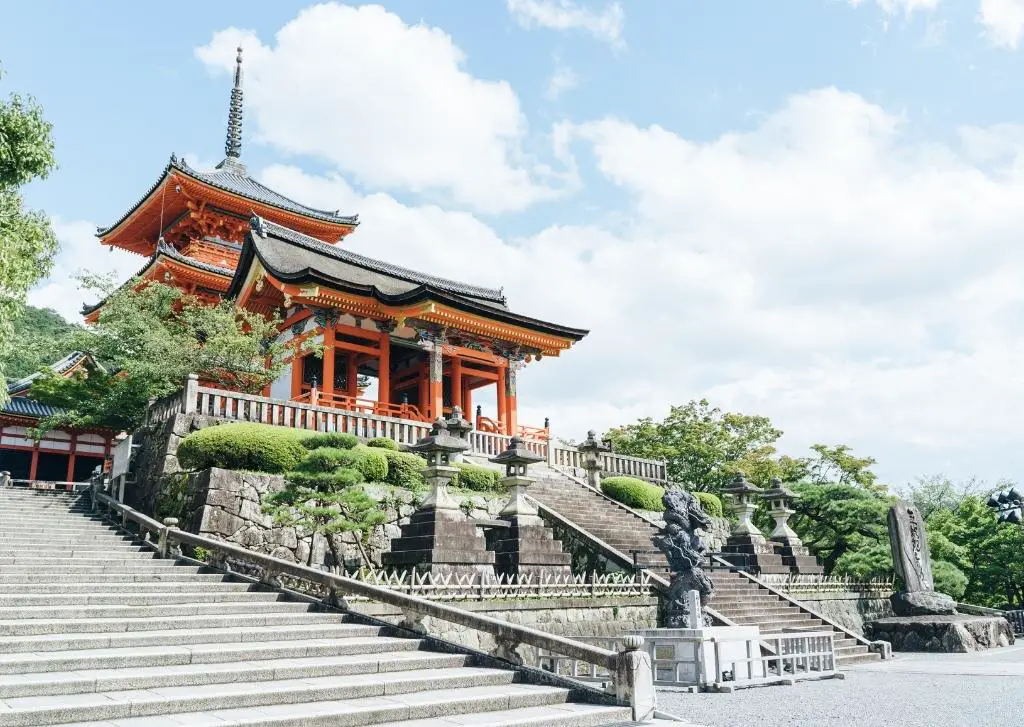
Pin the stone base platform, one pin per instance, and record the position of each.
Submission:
(958, 633)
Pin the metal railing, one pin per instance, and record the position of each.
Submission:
(631, 675)
(481, 587)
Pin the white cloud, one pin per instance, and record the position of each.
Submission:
(562, 79)
(907, 7)
(390, 104)
(80, 251)
(605, 24)
(1003, 21)
(824, 269)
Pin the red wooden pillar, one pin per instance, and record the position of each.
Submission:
(296, 374)
(502, 400)
(352, 373)
(384, 369)
(423, 391)
(511, 413)
(71, 458)
(327, 385)
(35, 462)
(467, 402)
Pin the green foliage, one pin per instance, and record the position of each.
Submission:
(373, 463)
(41, 337)
(986, 551)
(866, 560)
(936, 492)
(703, 446)
(836, 465)
(254, 447)
(632, 492)
(337, 440)
(711, 503)
(476, 478)
(327, 459)
(383, 443)
(835, 519)
(150, 337)
(327, 502)
(200, 553)
(949, 579)
(27, 241)
(405, 469)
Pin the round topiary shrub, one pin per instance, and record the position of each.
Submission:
(327, 481)
(328, 459)
(373, 463)
(476, 478)
(337, 440)
(711, 503)
(632, 492)
(405, 469)
(253, 447)
(383, 443)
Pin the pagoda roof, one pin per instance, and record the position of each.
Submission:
(232, 176)
(22, 406)
(64, 366)
(163, 250)
(293, 257)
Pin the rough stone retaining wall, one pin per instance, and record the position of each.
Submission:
(850, 610)
(573, 617)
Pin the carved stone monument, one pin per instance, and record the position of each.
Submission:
(912, 562)
(926, 620)
(681, 544)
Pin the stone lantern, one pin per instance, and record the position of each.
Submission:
(459, 428)
(778, 499)
(438, 538)
(590, 455)
(743, 505)
(516, 459)
(439, 448)
(526, 547)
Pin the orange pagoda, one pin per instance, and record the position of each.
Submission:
(423, 343)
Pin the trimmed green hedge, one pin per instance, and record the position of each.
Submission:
(253, 447)
(711, 503)
(373, 463)
(337, 440)
(632, 492)
(327, 481)
(383, 443)
(405, 469)
(328, 459)
(476, 478)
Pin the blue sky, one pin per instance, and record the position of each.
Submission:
(807, 209)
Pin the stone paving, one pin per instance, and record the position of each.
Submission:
(981, 689)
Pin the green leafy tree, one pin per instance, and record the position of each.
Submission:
(27, 241)
(843, 523)
(326, 500)
(704, 447)
(41, 336)
(934, 493)
(150, 337)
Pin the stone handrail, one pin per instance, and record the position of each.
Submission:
(612, 463)
(803, 607)
(633, 678)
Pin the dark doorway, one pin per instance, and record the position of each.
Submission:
(16, 461)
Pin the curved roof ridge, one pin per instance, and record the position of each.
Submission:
(412, 276)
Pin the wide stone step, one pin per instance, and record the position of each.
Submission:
(99, 539)
(203, 584)
(41, 626)
(87, 681)
(113, 705)
(153, 572)
(55, 601)
(120, 550)
(138, 565)
(237, 603)
(86, 558)
(477, 706)
(182, 637)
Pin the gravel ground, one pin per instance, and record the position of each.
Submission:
(865, 698)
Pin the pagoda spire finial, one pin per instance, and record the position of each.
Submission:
(233, 146)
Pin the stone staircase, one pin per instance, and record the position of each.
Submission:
(96, 632)
(737, 597)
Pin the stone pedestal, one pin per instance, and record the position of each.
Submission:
(528, 548)
(693, 650)
(958, 633)
(440, 542)
(794, 554)
(754, 554)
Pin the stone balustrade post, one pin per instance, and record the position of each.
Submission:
(191, 394)
(5, 479)
(634, 678)
(164, 549)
